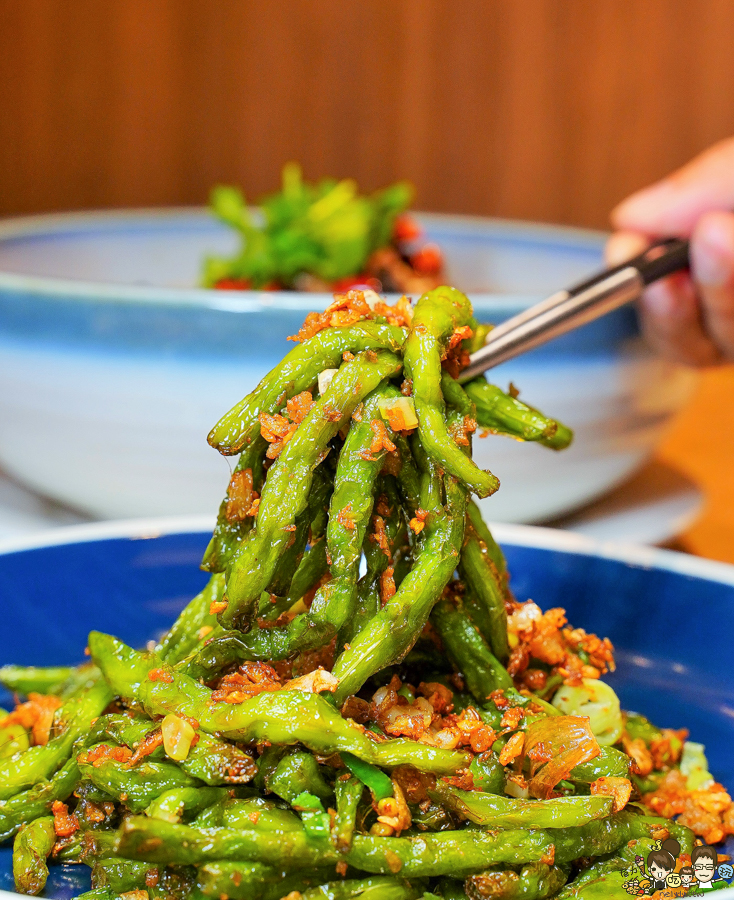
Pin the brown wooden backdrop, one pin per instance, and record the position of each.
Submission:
(539, 109)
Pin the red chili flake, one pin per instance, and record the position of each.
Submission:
(418, 523)
(379, 536)
(215, 607)
(239, 495)
(344, 518)
(103, 752)
(150, 743)
(387, 585)
(511, 718)
(64, 824)
(162, 674)
(380, 441)
(299, 406)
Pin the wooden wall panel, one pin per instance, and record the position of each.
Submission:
(538, 109)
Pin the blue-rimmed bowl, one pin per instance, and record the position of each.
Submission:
(670, 616)
(113, 366)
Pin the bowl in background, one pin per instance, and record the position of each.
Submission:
(670, 617)
(114, 366)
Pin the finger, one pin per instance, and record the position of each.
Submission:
(712, 267)
(670, 318)
(672, 206)
(623, 245)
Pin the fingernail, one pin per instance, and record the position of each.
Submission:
(643, 204)
(712, 255)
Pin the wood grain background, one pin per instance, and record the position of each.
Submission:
(537, 109)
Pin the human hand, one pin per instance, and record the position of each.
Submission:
(689, 318)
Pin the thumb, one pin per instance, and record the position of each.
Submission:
(674, 205)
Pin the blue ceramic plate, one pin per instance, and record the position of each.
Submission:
(671, 617)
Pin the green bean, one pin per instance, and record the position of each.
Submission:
(489, 546)
(140, 785)
(183, 637)
(290, 559)
(245, 881)
(31, 847)
(368, 588)
(297, 372)
(121, 875)
(173, 804)
(599, 881)
(98, 894)
(390, 634)
(408, 476)
(468, 650)
(256, 814)
(297, 772)
(286, 489)
(485, 585)
(312, 567)
(348, 796)
(33, 679)
(351, 509)
(38, 763)
(505, 414)
(455, 852)
(535, 881)
(156, 841)
(376, 888)
(609, 763)
(211, 760)
(281, 717)
(607, 835)
(33, 803)
(506, 812)
(437, 315)
(230, 531)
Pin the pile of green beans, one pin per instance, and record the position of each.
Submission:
(362, 553)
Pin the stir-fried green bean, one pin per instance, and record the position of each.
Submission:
(505, 414)
(286, 489)
(437, 316)
(32, 845)
(345, 710)
(297, 372)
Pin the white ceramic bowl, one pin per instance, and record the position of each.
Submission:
(113, 366)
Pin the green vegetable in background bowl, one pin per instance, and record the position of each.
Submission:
(323, 236)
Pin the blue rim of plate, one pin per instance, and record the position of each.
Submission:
(530, 536)
(561, 237)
